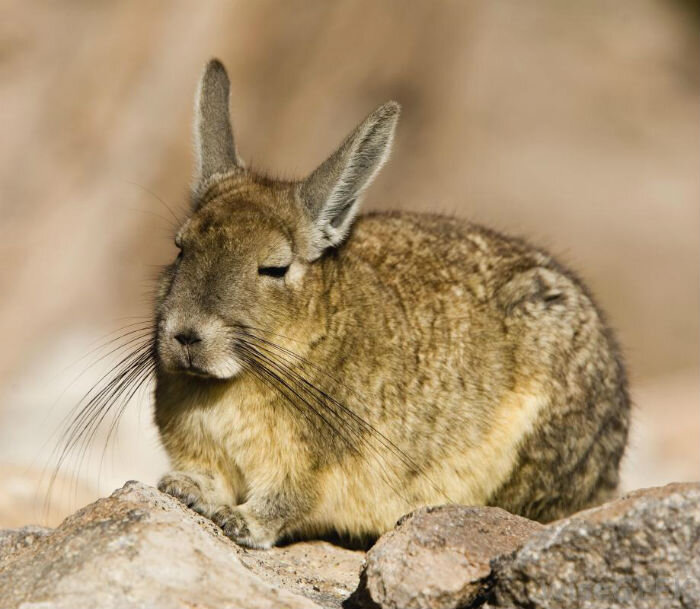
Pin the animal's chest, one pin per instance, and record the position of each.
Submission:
(243, 432)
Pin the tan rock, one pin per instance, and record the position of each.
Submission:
(141, 548)
(439, 557)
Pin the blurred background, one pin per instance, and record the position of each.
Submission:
(574, 124)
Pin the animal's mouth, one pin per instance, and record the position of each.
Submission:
(193, 370)
(213, 371)
(185, 362)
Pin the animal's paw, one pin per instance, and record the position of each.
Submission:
(188, 488)
(242, 528)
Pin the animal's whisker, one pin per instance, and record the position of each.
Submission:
(121, 389)
(141, 333)
(145, 335)
(145, 375)
(84, 435)
(270, 346)
(350, 421)
(114, 374)
(155, 196)
(255, 360)
(84, 419)
(282, 376)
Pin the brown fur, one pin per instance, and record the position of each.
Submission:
(400, 359)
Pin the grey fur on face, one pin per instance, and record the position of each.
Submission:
(323, 371)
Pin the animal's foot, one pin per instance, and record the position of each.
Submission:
(189, 488)
(242, 528)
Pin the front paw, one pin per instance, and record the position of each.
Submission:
(242, 528)
(186, 488)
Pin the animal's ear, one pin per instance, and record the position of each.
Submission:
(214, 145)
(332, 192)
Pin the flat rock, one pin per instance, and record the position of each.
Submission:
(641, 551)
(324, 572)
(438, 557)
(142, 548)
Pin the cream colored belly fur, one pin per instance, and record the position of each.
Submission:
(250, 448)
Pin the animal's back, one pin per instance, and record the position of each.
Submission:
(484, 360)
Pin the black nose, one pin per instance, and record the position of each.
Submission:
(188, 337)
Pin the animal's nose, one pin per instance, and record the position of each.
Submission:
(188, 337)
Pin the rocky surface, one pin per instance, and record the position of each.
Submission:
(141, 548)
(439, 557)
(641, 551)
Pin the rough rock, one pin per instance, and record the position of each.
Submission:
(141, 548)
(14, 540)
(319, 570)
(438, 557)
(640, 551)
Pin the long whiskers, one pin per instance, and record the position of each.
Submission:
(286, 369)
(294, 377)
(299, 397)
(109, 395)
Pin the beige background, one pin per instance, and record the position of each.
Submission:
(574, 124)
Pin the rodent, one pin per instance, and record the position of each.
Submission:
(321, 371)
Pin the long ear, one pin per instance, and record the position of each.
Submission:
(332, 192)
(214, 146)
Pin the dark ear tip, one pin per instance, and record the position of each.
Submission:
(215, 67)
(389, 109)
(392, 106)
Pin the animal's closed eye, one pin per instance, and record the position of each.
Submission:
(273, 271)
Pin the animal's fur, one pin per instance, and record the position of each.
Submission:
(411, 359)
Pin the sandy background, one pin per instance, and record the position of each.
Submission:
(572, 123)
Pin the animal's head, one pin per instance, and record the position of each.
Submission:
(250, 241)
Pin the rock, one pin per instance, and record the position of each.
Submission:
(14, 540)
(640, 551)
(316, 569)
(141, 548)
(438, 557)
